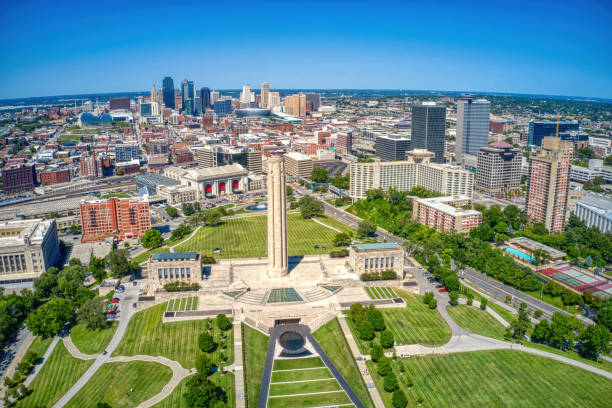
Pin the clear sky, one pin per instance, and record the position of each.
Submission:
(542, 47)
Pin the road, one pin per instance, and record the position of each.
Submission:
(14, 352)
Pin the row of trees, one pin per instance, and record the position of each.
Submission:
(368, 321)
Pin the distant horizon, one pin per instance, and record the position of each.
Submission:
(255, 89)
(520, 47)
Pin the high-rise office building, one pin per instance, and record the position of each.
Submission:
(541, 129)
(548, 183)
(214, 97)
(295, 104)
(315, 98)
(205, 99)
(121, 103)
(472, 125)
(428, 125)
(273, 100)
(392, 148)
(168, 91)
(223, 107)
(499, 168)
(188, 94)
(245, 95)
(344, 142)
(265, 91)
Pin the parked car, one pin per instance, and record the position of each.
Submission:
(114, 300)
(443, 290)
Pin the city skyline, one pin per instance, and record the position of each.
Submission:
(544, 49)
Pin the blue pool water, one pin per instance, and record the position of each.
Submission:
(520, 254)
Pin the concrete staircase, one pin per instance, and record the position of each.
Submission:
(312, 295)
(254, 297)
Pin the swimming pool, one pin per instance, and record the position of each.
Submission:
(520, 254)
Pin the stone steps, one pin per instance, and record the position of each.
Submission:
(313, 295)
(253, 297)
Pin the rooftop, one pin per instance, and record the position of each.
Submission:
(444, 204)
(533, 245)
(32, 231)
(376, 246)
(172, 256)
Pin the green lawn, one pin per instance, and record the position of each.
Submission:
(331, 339)
(176, 399)
(177, 341)
(256, 344)
(56, 377)
(413, 324)
(145, 255)
(314, 400)
(380, 292)
(477, 321)
(92, 342)
(601, 364)
(301, 375)
(40, 345)
(507, 315)
(68, 138)
(246, 237)
(113, 382)
(497, 378)
(298, 363)
(304, 387)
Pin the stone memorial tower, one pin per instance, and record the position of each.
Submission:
(278, 262)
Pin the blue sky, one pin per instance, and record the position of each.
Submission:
(542, 47)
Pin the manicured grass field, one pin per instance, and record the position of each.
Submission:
(298, 363)
(305, 387)
(413, 324)
(68, 138)
(177, 400)
(56, 377)
(40, 345)
(177, 341)
(331, 339)
(113, 382)
(601, 364)
(301, 375)
(507, 315)
(92, 342)
(314, 400)
(476, 320)
(182, 304)
(246, 237)
(256, 344)
(497, 378)
(381, 292)
(145, 255)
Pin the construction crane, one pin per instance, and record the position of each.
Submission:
(565, 116)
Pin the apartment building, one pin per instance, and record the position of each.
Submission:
(298, 164)
(119, 218)
(449, 214)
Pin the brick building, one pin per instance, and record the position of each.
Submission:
(115, 217)
(18, 178)
(446, 213)
(122, 103)
(55, 176)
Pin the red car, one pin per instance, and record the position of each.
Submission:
(114, 300)
(443, 290)
(112, 312)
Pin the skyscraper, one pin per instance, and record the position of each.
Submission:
(265, 90)
(188, 94)
(245, 95)
(392, 148)
(541, 129)
(499, 168)
(273, 100)
(428, 125)
(548, 183)
(205, 99)
(168, 91)
(315, 98)
(472, 125)
(295, 104)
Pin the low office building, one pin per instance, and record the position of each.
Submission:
(298, 164)
(376, 258)
(446, 213)
(27, 249)
(404, 175)
(165, 268)
(595, 211)
(523, 248)
(212, 181)
(177, 194)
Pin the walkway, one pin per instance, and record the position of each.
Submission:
(39, 367)
(195, 231)
(238, 366)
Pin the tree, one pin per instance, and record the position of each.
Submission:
(289, 190)
(223, 323)
(605, 310)
(202, 393)
(539, 256)
(470, 298)
(366, 229)
(376, 318)
(454, 297)
(152, 239)
(483, 303)
(376, 352)
(520, 326)
(310, 207)
(383, 367)
(203, 364)
(594, 340)
(318, 175)
(48, 319)
(118, 263)
(181, 231)
(390, 383)
(171, 211)
(97, 267)
(541, 331)
(386, 339)
(433, 304)
(342, 239)
(451, 282)
(428, 297)
(92, 314)
(206, 342)
(188, 209)
(357, 314)
(74, 228)
(366, 331)
(399, 399)
(563, 330)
